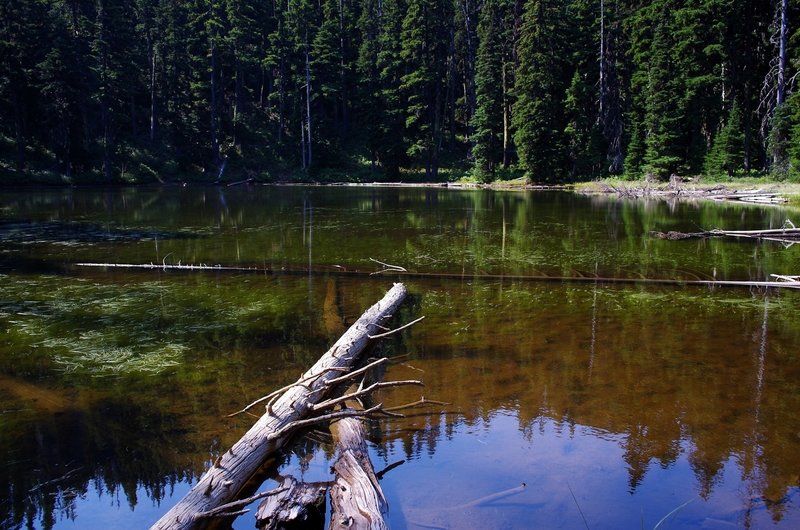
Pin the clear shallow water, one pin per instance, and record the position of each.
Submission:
(617, 404)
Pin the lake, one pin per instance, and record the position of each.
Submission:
(619, 405)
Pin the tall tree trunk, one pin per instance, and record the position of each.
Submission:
(281, 101)
(470, 95)
(19, 129)
(779, 133)
(784, 30)
(238, 98)
(303, 159)
(345, 125)
(105, 121)
(603, 88)
(308, 108)
(152, 93)
(506, 118)
(215, 151)
(610, 111)
(450, 97)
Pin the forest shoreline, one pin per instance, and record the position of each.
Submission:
(682, 189)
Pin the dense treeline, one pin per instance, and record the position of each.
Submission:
(555, 89)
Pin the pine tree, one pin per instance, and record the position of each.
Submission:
(663, 118)
(19, 47)
(726, 157)
(582, 132)
(538, 114)
(424, 54)
(487, 123)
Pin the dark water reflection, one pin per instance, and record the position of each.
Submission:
(613, 404)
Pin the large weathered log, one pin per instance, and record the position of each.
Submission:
(231, 472)
(357, 501)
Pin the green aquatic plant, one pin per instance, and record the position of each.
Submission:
(100, 328)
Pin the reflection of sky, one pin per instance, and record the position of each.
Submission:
(557, 461)
(99, 509)
(571, 472)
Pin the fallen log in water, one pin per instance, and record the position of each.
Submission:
(231, 471)
(787, 234)
(338, 271)
(357, 499)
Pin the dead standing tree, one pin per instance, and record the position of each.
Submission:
(298, 405)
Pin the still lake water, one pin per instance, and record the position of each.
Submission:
(616, 404)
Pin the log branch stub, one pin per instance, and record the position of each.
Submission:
(297, 504)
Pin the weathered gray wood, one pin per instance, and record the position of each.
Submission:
(230, 473)
(298, 505)
(782, 234)
(357, 500)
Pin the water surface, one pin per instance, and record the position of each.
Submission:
(616, 405)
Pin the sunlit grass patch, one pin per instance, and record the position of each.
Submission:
(105, 329)
(98, 360)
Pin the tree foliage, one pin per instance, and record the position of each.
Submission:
(135, 90)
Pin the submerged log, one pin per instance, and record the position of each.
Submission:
(232, 470)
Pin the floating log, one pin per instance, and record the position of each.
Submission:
(788, 234)
(339, 271)
(232, 470)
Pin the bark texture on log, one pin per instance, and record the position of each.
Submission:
(357, 500)
(230, 473)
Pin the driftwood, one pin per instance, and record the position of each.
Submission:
(290, 411)
(297, 504)
(676, 189)
(594, 279)
(787, 234)
(357, 500)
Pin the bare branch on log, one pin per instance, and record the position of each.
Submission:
(397, 329)
(221, 511)
(356, 373)
(422, 401)
(379, 475)
(348, 413)
(280, 391)
(388, 267)
(363, 392)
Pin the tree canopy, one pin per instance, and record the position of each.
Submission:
(556, 90)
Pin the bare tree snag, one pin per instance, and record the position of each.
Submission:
(230, 473)
(357, 501)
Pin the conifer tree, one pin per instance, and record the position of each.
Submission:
(538, 114)
(487, 122)
(726, 157)
(424, 54)
(582, 132)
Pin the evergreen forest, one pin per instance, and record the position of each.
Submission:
(553, 90)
